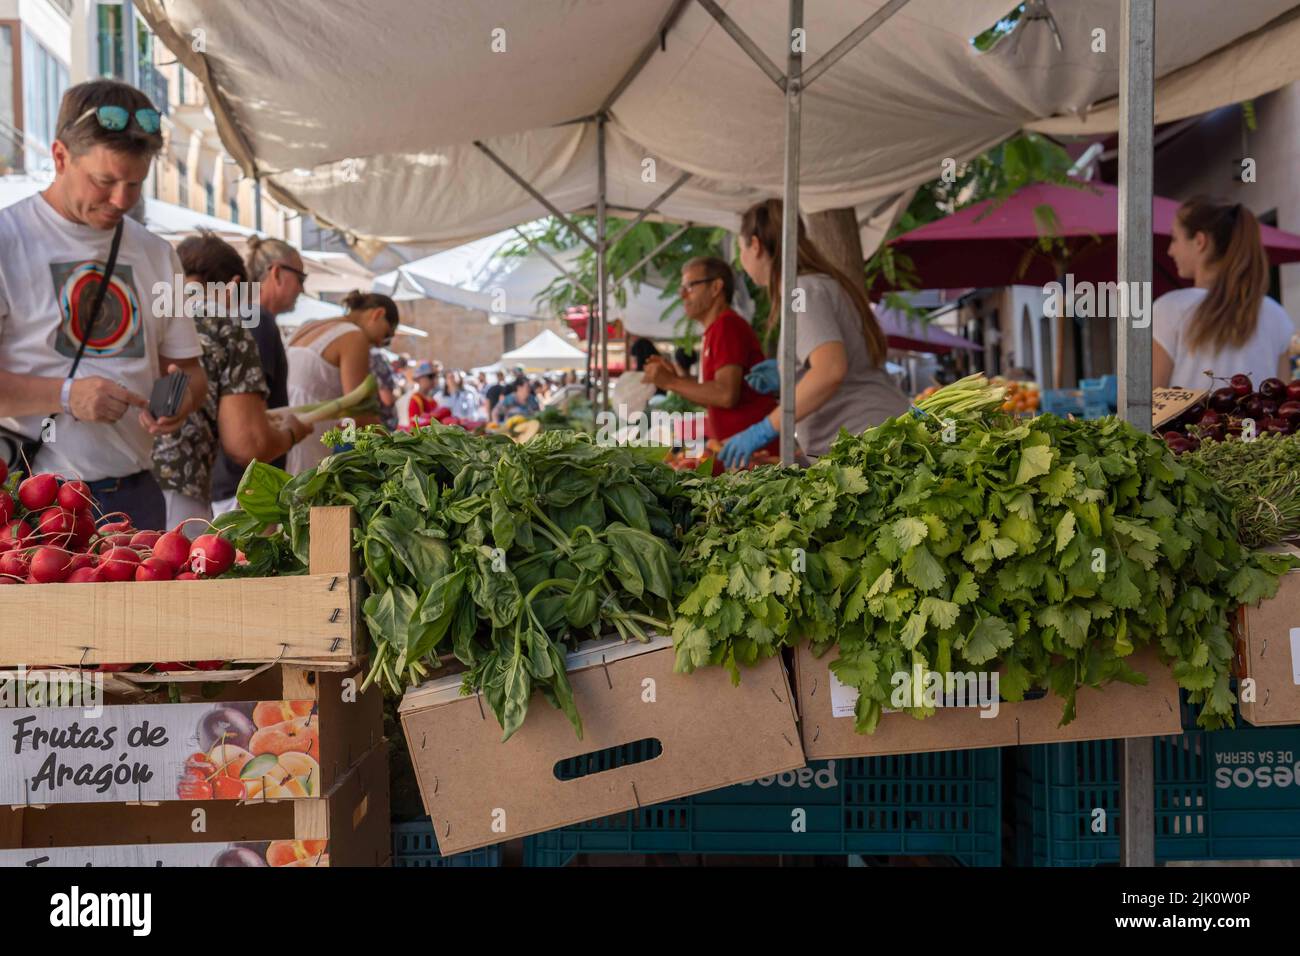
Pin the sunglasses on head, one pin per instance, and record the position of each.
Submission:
(115, 118)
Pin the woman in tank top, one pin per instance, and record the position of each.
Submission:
(329, 359)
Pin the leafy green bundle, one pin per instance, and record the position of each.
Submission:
(758, 571)
(500, 551)
(1261, 479)
(1050, 549)
(1047, 549)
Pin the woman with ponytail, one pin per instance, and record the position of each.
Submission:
(1226, 323)
(331, 358)
(839, 346)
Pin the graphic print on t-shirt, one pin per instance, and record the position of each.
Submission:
(118, 332)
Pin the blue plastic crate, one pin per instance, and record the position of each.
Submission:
(414, 844)
(1061, 402)
(1102, 391)
(939, 804)
(1219, 795)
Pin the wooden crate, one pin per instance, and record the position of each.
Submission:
(313, 618)
(309, 641)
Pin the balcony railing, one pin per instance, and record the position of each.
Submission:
(154, 85)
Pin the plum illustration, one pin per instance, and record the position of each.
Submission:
(225, 724)
(239, 856)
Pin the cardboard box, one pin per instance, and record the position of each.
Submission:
(1119, 710)
(479, 791)
(1268, 649)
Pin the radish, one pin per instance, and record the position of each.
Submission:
(145, 539)
(118, 564)
(83, 531)
(4, 578)
(187, 576)
(155, 569)
(82, 560)
(19, 531)
(83, 575)
(117, 527)
(76, 496)
(50, 565)
(211, 555)
(6, 506)
(38, 491)
(15, 562)
(112, 541)
(56, 526)
(207, 665)
(173, 547)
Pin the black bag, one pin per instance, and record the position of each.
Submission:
(18, 450)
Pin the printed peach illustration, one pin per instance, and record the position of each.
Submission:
(323, 861)
(228, 760)
(295, 852)
(271, 712)
(298, 734)
(282, 777)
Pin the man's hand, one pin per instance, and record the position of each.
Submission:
(96, 399)
(657, 372)
(284, 420)
(167, 425)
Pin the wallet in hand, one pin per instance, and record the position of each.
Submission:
(168, 395)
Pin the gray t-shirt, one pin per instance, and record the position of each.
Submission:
(867, 396)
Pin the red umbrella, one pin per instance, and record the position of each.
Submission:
(984, 246)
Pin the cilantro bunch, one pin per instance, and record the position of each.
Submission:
(1048, 549)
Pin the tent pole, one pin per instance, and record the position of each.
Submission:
(602, 266)
(1133, 361)
(790, 229)
(619, 280)
(864, 30)
(527, 187)
(536, 246)
(658, 201)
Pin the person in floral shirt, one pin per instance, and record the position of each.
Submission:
(387, 382)
(235, 417)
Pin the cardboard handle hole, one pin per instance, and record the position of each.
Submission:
(610, 758)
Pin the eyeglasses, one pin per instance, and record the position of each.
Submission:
(688, 286)
(302, 276)
(115, 118)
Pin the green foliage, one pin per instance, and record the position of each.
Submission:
(501, 554)
(1048, 549)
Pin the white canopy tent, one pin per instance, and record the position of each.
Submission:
(545, 351)
(398, 161)
(477, 276)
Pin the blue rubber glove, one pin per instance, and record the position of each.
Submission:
(740, 447)
(765, 377)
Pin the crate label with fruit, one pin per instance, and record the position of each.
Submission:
(256, 750)
(254, 853)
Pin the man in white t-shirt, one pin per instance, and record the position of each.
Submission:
(54, 248)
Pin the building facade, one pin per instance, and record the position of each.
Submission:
(48, 45)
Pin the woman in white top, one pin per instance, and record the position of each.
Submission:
(840, 348)
(329, 359)
(1227, 323)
